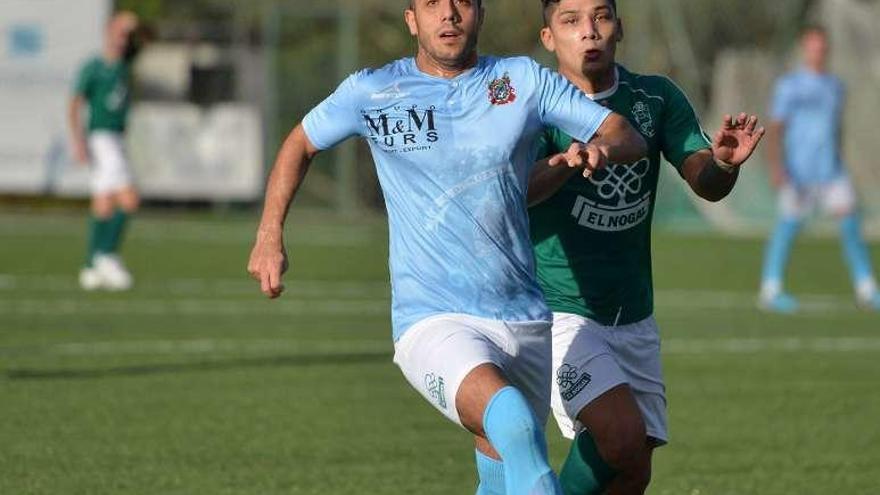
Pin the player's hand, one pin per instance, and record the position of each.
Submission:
(737, 140)
(80, 152)
(579, 155)
(268, 263)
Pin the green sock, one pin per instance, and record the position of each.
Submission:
(98, 228)
(115, 229)
(584, 471)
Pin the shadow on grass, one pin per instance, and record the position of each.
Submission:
(192, 367)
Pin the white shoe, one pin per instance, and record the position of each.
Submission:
(90, 279)
(114, 275)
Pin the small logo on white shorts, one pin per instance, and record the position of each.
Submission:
(436, 389)
(571, 382)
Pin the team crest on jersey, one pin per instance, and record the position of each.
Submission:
(642, 114)
(501, 91)
(571, 381)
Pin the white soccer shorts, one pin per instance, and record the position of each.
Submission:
(110, 171)
(590, 359)
(835, 198)
(437, 353)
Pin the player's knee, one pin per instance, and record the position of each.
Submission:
(102, 207)
(129, 201)
(624, 447)
(508, 420)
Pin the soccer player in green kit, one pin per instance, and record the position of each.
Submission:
(592, 238)
(103, 85)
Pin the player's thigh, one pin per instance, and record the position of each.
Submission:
(529, 364)
(584, 368)
(839, 197)
(637, 350)
(437, 354)
(615, 422)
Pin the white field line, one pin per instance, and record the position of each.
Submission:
(206, 347)
(771, 345)
(193, 307)
(204, 287)
(667, 299)
(721, 300)
(13, 226)
(672, 346)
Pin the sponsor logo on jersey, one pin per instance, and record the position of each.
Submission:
(642, 114)
(501, 91)
(402, 129)
(436, 389)
(571, 381)
(117, 98)
(389, 94)
(624, 204)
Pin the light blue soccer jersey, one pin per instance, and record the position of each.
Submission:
(453, 158)
(811, 107)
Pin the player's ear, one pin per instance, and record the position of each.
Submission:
(409, 15)
(619, 35)
(547, 39)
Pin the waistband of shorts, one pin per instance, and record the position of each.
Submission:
(559, 316)
(526, 324)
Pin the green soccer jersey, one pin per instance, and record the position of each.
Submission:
(593, 238)
(105, 87)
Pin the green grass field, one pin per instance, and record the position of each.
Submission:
(193, 384)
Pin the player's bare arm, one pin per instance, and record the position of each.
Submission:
(77, 132)
(616, 142)
(713, 173)
(268, 260)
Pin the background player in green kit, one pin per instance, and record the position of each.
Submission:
(592, 240)
(103, 86)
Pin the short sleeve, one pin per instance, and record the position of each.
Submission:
(682, 133)
(335, 119)
(564, 106)
(83, 83)
(780, 106)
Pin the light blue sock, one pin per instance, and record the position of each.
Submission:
(491, 473)
(515, 433)
(778, 249)
(854, 249)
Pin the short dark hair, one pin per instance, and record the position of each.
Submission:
(549, 4)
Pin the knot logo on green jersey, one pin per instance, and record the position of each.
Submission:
(436, 389)
(624, 201)
(571, 381)
(642, 114)
(501, 91)
(402, 129)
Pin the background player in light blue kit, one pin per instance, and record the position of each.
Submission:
(807, 167)
(452, 135)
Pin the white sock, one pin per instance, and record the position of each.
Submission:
(866, 289)
(770, 289)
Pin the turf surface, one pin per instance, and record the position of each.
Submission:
(193, 383)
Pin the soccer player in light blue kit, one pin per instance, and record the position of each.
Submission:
(452, 135)
(807, 167)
